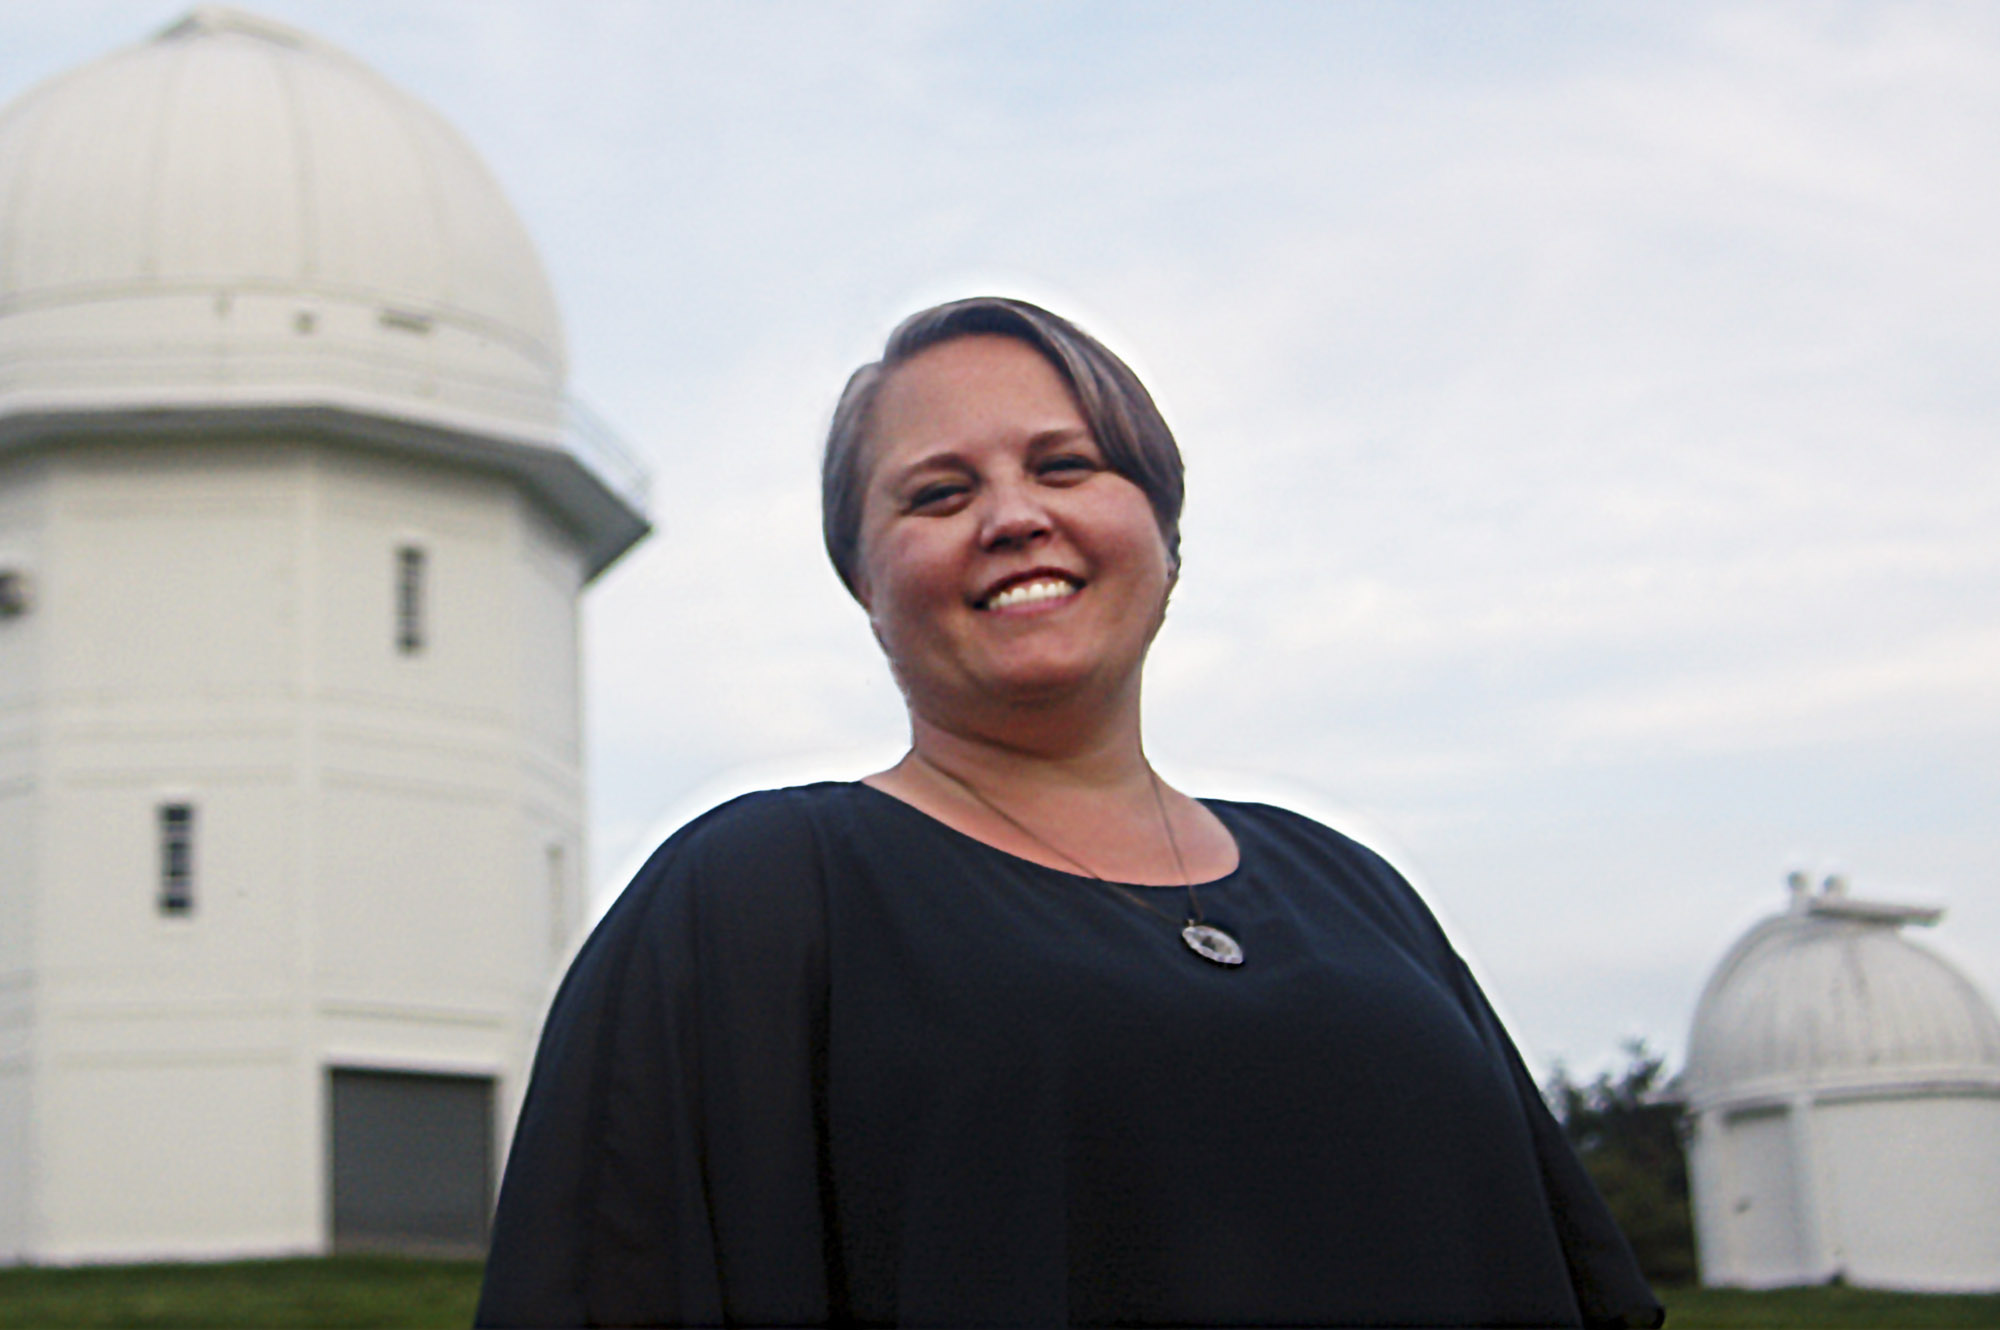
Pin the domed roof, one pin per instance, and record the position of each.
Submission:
(1830, 996)
(237, 207)
(237, 225)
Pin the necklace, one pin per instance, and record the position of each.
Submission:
(1202, 938)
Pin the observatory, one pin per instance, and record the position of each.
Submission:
(294, 517)
(1843, 1086)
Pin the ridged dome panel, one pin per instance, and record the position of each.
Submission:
(1811, 1000)
(239, 203)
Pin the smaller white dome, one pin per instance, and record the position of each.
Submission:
(1831, 997)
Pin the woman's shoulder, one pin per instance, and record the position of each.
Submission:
(1271, 823)
(750, 866)
(756, 824)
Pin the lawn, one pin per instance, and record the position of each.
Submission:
(1689, 1308)
(391, 1291)
(386, 1291)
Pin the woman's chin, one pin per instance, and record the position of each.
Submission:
(1039, 685)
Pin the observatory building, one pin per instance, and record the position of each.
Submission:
(1843, 1087)
(294, 518)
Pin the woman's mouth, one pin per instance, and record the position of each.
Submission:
(1036, 589)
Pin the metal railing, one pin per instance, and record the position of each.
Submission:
(594, 442)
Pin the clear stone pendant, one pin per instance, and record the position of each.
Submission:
(1211, 943)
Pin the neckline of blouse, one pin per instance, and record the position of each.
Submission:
(1219, 882)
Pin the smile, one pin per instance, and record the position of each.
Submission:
(1033, 591)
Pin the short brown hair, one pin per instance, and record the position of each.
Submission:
(1126, 425)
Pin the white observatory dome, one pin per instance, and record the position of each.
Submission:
(1830, 994)
(1843, 1096)
(237, 213)
(235, 230)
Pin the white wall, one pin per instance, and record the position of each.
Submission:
(16, 1155)
(372, 827)
(23, 489)
(1708, 1199)
(180, 1154)
(172, 580)
(1901, 1193)
(171, 600)
(1914, 1190)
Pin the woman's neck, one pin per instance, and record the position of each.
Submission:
(1060, 759)
(1090, 802)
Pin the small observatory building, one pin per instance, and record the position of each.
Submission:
(294, 519)
(1843, 1091)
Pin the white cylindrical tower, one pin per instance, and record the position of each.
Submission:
(1843, 1088)
(293, 524)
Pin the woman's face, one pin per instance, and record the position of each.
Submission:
(1001, 560)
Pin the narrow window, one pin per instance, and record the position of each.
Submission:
(409, 599)
(13, 593)
(558, 898)
(176, 858)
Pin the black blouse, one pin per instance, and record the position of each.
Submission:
(829, 1061)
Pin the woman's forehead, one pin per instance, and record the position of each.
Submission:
(974, 390)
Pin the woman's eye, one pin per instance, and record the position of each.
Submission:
(1066, 467)
(938, 494)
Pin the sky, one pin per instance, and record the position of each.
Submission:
(1589, 412)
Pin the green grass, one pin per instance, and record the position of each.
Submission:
(387, 1291)
(394, 1291)
(1700, 1308)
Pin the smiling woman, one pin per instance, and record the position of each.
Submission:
(1004, 564)
(1014, 1033)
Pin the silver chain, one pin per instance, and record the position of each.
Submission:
(1166, 824)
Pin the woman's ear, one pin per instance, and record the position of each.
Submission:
(865, 598)
(1173, 580)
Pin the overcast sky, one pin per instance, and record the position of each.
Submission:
(1589, 409)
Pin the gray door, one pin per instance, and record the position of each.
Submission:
(412, 1160)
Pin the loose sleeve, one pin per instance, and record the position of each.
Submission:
(1611, 1292)
(1608, 1288)
(667, 1169)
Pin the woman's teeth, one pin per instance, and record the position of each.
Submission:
(1045, 588)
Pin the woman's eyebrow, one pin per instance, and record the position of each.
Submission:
(943, 460)
(1057, 435)
(951, 459)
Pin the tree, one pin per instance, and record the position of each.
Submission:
(1628, 1131)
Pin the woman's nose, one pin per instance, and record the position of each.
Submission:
(1014, 518)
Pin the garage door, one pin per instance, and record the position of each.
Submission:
(412, 1160)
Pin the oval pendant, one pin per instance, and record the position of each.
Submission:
(1211, 943)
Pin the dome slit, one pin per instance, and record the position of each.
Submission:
(302, 169)
(162, 118)
(18, 189)
(438, 234)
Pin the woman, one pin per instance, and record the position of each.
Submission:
(1014, 1033)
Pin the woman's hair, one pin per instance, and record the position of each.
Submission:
(1127, 426)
